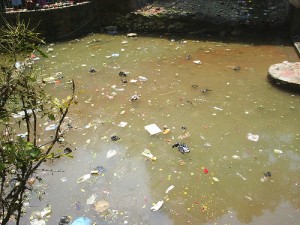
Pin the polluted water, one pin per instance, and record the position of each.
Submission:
(152, 93)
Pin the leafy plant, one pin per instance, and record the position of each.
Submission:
(23, 105)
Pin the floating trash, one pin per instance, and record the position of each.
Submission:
(92, 70)
(215, 179)
(278, 151)
(248, 198)
(19, 64)
(206, 90)
(23, 135)
(184, 136)
(115, 55)
(217, 108)
(236, 157)
(51, 127)
(135, 97)
(166, 130)
(157, 206)
(22, 113)
(114, 138)
(100, 169)
(111, 153)
(169, 189)
(82, 221)
(241, 176)
(197, 62)
(67, 150)
(252, 137)
(83, 178)
(39, 218)
(183, 148)
(153, 129)
(148, 154)
(65, 220)
(266, 176)
(131, 35)
(122, 124)
(91, 199)
(101, 206)
(123, 74)
(141, 78)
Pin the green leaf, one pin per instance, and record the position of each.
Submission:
(2, 166)
(69, 155)
(41, 52)
(34, 153)
(51, 117)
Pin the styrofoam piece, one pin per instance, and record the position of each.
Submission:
(153, 129)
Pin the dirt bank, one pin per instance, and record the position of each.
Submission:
(232, 12)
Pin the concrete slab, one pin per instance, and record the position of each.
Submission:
(286, 72)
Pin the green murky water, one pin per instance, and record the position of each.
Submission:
(221, 180)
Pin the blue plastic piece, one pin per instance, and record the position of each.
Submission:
(82, 221)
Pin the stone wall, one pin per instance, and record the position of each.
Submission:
(295, 3)
(294, 21)
(94, 16)
(60, 23)
(119, 5)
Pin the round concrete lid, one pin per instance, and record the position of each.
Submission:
(286, 71)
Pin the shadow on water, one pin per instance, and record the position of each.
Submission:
(285, 86)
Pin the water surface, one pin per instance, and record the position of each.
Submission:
(241, 101)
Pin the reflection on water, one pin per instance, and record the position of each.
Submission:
(221, 181)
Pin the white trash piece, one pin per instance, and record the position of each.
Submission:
(217, 108)
(169, 189)
(153, 129)
(23, 135)
(22, 113)
(197, 62)
(91, 199)
(131, 35)
(141, 78)
(111, 153)
(148, 154)
(157, 206)
(241, 176)
(252, 137)
(236, 157)
(115, 55)
(51, 127)
(122, 124)
(83, 178)
(133, 81)
(278, 151)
